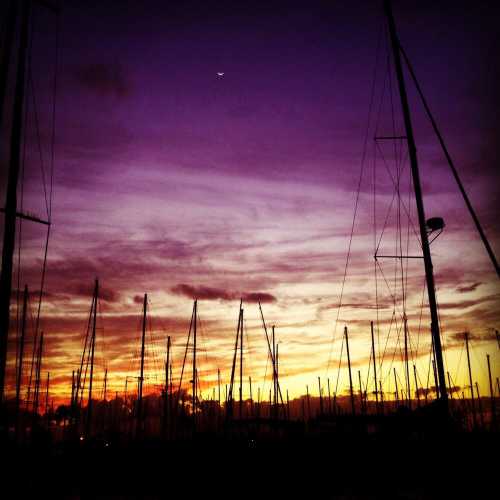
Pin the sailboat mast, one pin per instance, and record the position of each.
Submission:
(480, 405)
(251, 395)
(329, 398)
(287, 405)
(141, 376)
(274, 370)
(361, 402)
(451, 164)
(8, 42)
(417, 393)
(241, 366)
(412, 152)
(374, 364)
(320, 397)
(92, 350)
(308, 403)
(38, 376)
(492, 395)
(72, 389)
(195, 318)
(9, 235)
(229, 397)
(407, 369)
(105, 384)
(167, 396)
(396, 393)
(449, 385)
(470, 379)
(21, 355)
(218, 386)
(47, 399)
(277, 362)
(349, 366)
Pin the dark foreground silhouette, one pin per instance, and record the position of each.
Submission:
(324, 465)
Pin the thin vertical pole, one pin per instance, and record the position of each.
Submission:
(492, 394)
(435, 377)
(47, 400)
(251, 396)
(171, 402)
(274, 370)
(141, 375)
(412, 152)
(10, 28)
(374, 364)
(269, 348)
(241, 366)
(277, 381)
(480, 405)
(450, 387)
(38, 375)
(9, 236)
(381, 397)
(229, 396)
(470, 380)
(407, 369)
(308, 403)
(21, 356)
(92, 352)
(417, 392)
(195, 373)
(329, 398)
(258, 402)
(75, 414)
(105, 384)
(72, 388)
(270, 403)
(218, 385)
(320, 397)
(287, 405)
(167, 395)
(396, 393)
(361, 403)
(199, 393)
(350, 374)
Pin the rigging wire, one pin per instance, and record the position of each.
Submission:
(20, 230)
(358, 191)
(47, 202)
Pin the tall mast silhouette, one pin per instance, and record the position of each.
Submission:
(141, 375)
(16, 10)
(9, 236)
(19, 377)
(92, 351)
(195, 373)
(412, 152)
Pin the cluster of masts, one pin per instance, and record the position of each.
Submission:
(178, 411)
(278, 409)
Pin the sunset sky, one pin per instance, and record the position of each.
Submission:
(173, 180)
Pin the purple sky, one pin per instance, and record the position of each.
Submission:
(174, 181)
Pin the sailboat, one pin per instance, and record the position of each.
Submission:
(427, 230)
(428, 226)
